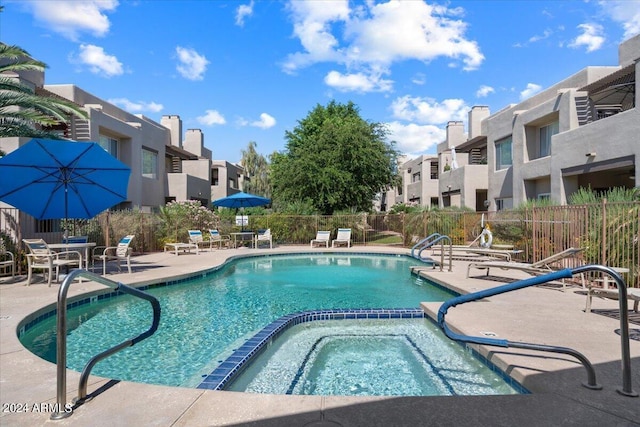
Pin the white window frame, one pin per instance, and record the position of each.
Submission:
(153, 163)
(109, 144)
(500, 162)
(545, 133)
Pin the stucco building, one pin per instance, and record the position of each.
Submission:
(165, 166)
(583, 132)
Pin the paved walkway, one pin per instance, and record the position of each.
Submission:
(538, 315)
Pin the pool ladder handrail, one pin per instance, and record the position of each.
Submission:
(429, 242)
(61, 331)
(626, 390)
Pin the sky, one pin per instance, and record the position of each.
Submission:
(250, 70)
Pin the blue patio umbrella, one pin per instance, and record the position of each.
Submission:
(51, 179)
(242, 200)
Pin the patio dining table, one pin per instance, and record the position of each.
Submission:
(74, 246)
(241, 235)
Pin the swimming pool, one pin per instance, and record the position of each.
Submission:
(393, 357)
(205, 318)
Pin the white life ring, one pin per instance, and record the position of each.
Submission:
(486, 237)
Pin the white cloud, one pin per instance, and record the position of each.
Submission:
(545, 35)
(484, 91)
(413, 139)
(211, 118)
(429, 111)
(358, 82)
(266, 121)
(242, 12)
(591, 37)
(419, 79)
(191, 65)
(98, 61)
(137, 107)
(625, 12)
(427, 33)
(71, 17)
(531, 90)
(312, 26)
(366, 39)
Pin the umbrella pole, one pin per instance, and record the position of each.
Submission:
(66, 213)
(107, 230)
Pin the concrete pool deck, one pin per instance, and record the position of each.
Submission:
(542, 315)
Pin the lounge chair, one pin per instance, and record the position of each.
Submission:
(343, 237)
(322, 238)
(220, 239)
(7, 260)
(119, 253)
(472, 252)
(196, 238)
(75, 239)
(633, 294)
(41, 257)
(264, 236)
(543, 266)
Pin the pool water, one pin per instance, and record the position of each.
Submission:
(205, 318)
(408, 357)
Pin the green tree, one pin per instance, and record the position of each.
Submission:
(22, 111)
(334, 159)
(256, 168)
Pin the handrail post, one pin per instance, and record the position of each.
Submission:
(62, 410)
(627, 388)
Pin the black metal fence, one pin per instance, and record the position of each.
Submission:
(609, 232)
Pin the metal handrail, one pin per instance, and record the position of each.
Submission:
(63, 410)
(429, 242)
(591, 383)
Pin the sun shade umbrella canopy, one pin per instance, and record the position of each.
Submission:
(241, 200)
(50, 179)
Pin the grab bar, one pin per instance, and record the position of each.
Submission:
(430, 241)
(62, 410)
(562, 274)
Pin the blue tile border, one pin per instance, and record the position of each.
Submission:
(228, 371)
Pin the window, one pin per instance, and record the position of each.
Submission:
(109, 144)
(415, 177)
(504, 203)
(434, 170)
(546, 132)
(215, 177)
(503, 153)
(149, 164)
(48, 225)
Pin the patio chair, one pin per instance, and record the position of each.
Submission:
(119, 253)
(220, 239)
(322, 238)
(75, 239)
(633, 294)
(41, 257)
(543, 266)
(472, 252)
(264, 236)
(343, 237)
(196, 238)
(7, 260)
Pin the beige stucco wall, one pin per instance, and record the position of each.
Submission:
(134, 133)
(426, 188)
